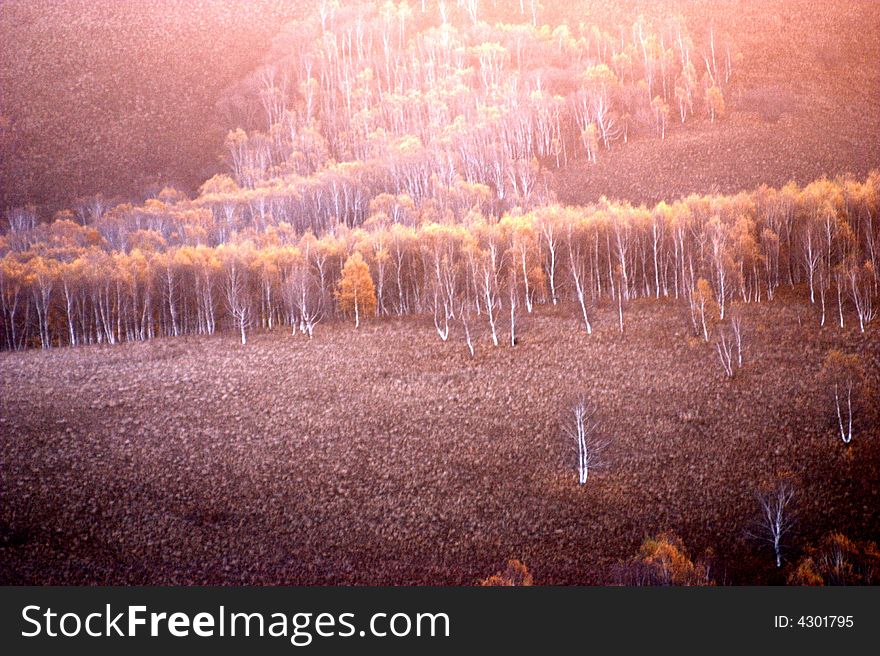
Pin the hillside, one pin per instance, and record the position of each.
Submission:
(119, 96)
(803, 104)
(140, 111)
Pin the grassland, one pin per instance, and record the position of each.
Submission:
(385, 456)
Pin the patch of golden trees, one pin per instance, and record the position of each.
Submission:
(173, 268)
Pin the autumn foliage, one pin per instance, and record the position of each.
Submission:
(663, 560)
(515, 574)
(837, 560)
(163, 268)
(356, 294)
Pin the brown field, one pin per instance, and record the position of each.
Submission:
(384, 456)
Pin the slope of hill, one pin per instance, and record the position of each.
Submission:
(120, 97)
(804, 103)
(114, 96)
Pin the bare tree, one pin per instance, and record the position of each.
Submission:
(464, 310)
(724, 346)
(237, 299)
(737, 330)
(844, 375)
(583, 429)
(776, 519)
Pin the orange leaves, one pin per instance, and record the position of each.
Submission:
(704, 292)
(355, 291)
(666, 555)
(41, 270)
(148, 241)
(663, 560)
(839, 367)
(515, 574)
(837, 560)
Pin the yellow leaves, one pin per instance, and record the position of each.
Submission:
(330, 245)
(489, 50)
(12, 270)
(171, 196)
(41, 270)
(235, 138)
(382, 256)
(408, 145)
(537, 278)
(147, 241)
(743, 233)
(822, 199)
(715, 102)
(98, 266)
(355, 291)
(704, 290)
(599, 75)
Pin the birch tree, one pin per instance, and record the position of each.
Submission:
(843, 375)
(577, 265)
(776, 518)
(235, 288)
(582, 428)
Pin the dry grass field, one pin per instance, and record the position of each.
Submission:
(385, 456)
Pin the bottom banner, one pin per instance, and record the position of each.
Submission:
(433, 620)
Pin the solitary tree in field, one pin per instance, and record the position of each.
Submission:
(355, 291)
(583, 429)
(776, 519)
(844, 376)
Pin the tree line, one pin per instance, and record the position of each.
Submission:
(173, 267)
(663, 560)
